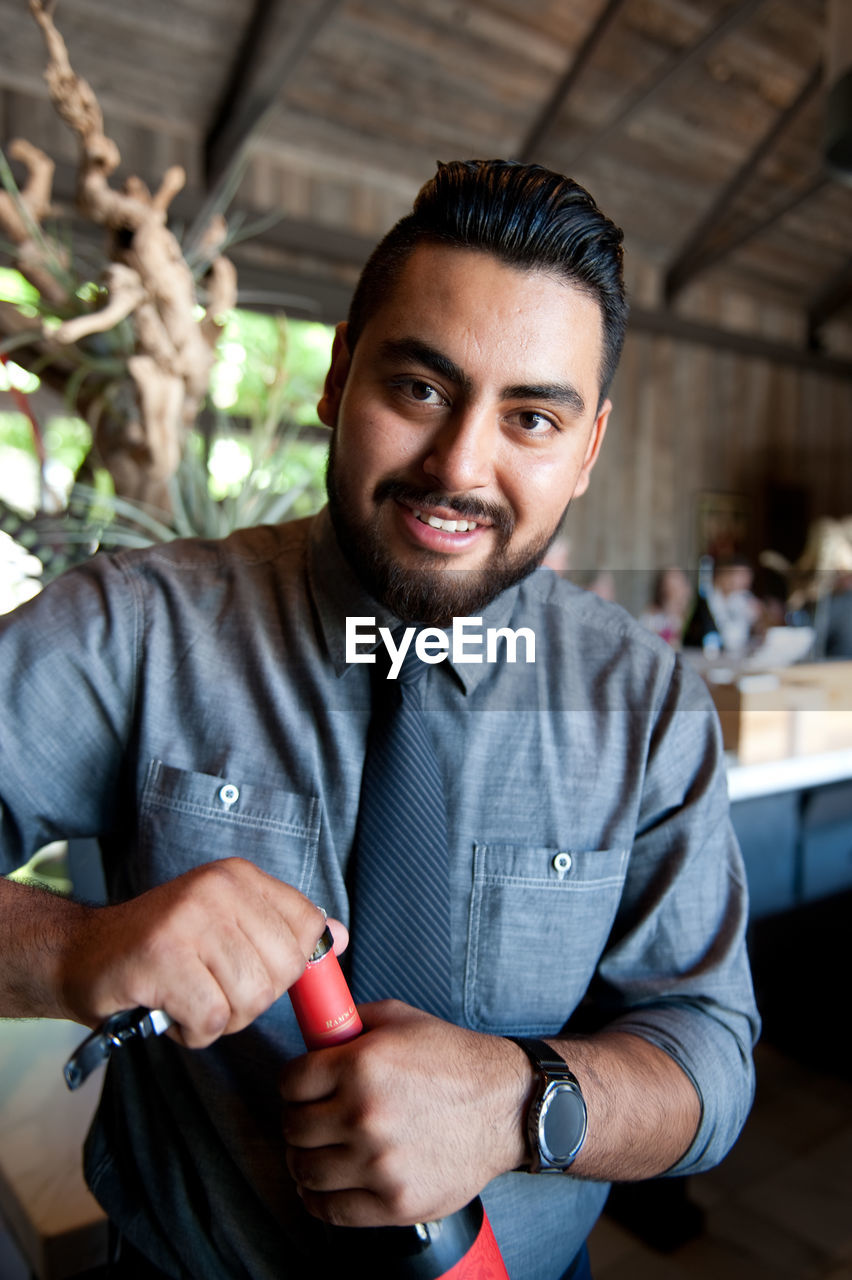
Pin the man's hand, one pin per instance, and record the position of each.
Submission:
(412, 1119)
(214, 948)
(406, 1123)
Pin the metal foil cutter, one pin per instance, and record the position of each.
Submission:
(115, 1031)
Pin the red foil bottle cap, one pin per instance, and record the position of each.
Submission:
(322, 1001)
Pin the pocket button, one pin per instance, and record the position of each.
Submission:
(229, 794)
(562, 864)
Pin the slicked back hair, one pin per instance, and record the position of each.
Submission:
(526, 216)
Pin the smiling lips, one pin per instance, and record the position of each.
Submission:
(448, 526)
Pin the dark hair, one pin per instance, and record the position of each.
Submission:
(528, 217)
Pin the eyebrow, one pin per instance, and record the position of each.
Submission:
(559, 393)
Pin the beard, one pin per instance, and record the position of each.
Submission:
(430, 594)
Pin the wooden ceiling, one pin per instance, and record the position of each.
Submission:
(697, 125)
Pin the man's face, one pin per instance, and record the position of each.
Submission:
(464, 422)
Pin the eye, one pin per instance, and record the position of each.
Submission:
(420, 390)
(534, 423)
(424, 392)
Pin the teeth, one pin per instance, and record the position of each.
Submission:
(449, 526)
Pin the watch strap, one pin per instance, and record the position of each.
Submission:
(543, 1057)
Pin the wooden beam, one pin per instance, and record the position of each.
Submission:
(705, 260)
(688, 260)
(551, 109)
(735, 16)
(266, 58)
(679, 328)
(257, 78)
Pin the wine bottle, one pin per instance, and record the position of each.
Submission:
(459, 1247)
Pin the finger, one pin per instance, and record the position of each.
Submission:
(353, 1207)
(383, 1013)
(282, 923)
(340, 934)
(332, 1168)
(237, 963)
(309, 1126)
(313, 1076)
(198, 1007)
(358, 1207)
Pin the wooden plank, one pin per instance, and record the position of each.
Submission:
(544, 121)
(735, 16)
(831, 298)
(257, 77)
(687, 262)
(132, 68)
(747, 344)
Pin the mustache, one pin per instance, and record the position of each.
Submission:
(466, 504)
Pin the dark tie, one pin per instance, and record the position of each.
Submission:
(400, 883)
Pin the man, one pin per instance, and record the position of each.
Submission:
(197, 708)
(735, 608)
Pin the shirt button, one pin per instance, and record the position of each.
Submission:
(562, 864)
(229, 794)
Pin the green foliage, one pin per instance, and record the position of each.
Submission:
(285, 479)
(269, 368)
(16, 433)
(14, 288)
(67, 440)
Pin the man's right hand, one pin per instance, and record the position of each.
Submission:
(214, 948)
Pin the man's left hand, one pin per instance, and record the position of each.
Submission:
(406, 1123)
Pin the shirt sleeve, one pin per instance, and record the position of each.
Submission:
(67, 684)
(675, 970)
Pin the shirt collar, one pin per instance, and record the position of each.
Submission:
(338, 595)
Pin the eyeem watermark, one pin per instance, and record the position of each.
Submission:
(466, 644)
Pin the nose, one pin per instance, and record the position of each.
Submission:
(460, 457)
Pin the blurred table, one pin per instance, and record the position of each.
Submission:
(795, 773)
(793, 818)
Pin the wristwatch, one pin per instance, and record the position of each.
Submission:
(556, 1120)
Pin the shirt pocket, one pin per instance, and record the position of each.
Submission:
(539, 920)
(190, 818)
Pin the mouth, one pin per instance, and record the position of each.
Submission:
(455, 525)
(442, 529)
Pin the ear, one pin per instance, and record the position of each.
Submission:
(593, 447)
(335, 379)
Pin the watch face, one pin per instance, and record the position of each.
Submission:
(562, 1123)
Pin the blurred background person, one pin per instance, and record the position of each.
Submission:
(819, 585)
(726, 614)
(733, 604)
(667, 611)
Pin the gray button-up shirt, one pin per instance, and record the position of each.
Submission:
(194, 701)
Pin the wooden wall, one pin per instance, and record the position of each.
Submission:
(690, 419)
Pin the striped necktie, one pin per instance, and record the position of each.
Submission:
(400, 885)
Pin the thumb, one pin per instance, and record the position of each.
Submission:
(340, 934)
